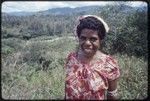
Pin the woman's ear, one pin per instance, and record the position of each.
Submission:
(101, 44)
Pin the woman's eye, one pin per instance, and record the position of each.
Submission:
(93, 39)
(82, 38)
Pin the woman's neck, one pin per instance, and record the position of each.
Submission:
(87, 59)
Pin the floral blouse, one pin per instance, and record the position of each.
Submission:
(84, 81)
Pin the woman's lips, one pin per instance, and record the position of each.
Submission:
(87, 49)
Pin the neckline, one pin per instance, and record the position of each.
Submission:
(99, 58)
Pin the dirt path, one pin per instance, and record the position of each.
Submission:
(58, 38)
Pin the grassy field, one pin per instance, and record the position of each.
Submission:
(25, 74)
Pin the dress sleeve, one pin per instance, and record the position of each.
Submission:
(111, 69)
(68, 58)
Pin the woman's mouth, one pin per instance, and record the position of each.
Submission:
(88, 50)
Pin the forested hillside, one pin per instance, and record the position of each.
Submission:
(35, 46)
(128, 26)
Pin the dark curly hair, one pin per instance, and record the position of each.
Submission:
(91, 23)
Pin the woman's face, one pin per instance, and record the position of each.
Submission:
(89, 41)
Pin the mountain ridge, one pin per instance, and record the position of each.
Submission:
(66, 11)
(55, 11)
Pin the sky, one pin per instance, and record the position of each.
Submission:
(34, 6)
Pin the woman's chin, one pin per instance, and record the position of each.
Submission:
(88, 52)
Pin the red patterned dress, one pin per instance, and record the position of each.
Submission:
(89, 82)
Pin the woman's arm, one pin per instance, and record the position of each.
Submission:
(112, 90)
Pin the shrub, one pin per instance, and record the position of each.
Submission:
(133, 82)
(23, 76)
(7, 50)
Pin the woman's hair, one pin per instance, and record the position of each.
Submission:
(91, 22)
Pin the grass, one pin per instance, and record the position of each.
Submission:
(23, 76)
(133, 83)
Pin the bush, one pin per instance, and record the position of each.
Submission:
(7, 50)
(133, 82)
(23, 76)
(15, 43)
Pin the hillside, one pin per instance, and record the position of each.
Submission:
(56, 11)
(122, 19)
(34, 70)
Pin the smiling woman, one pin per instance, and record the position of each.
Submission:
(87, 38)
(89, 72)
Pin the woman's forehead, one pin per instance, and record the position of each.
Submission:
(89, 32)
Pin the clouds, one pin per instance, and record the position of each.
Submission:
(42, 5)
(23, 6)
(32, 6)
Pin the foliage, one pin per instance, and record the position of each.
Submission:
(133, 82)
(12, 45)
(26, 79)
(128, 27)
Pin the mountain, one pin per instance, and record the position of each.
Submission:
(56, 11)
(69, 11)
(20, 13)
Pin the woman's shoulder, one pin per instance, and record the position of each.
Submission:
(72, 54)
(107, 57)
(111, 59)
(102, 56)
(111, 63)
(71, 59)
(111, 67)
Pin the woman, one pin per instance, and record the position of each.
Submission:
(90, 74)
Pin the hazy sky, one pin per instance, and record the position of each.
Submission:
(32, 6)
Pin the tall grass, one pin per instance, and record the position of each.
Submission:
(23, 76)
(133, 83)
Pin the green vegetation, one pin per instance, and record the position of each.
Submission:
(34, 50)
(133, 83)
(23, 78)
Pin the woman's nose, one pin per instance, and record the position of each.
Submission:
(87, 42)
